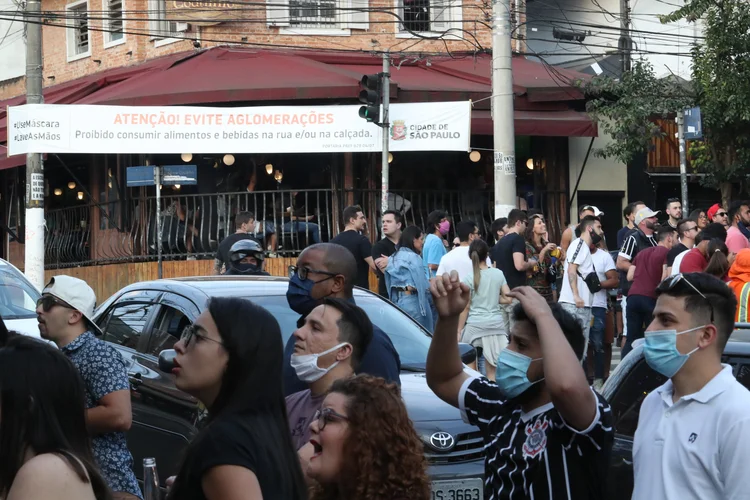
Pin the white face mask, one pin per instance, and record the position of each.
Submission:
(306, 365)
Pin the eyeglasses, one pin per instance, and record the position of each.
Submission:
(721, 214)
(702, 216)
(49, 301)
(191, 331)
(326, 415)
(303, 272)
(694, 228)
(680, 278)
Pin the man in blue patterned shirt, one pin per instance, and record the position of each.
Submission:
(64, 313)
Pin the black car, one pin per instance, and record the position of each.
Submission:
(629, 385)
(145, 318)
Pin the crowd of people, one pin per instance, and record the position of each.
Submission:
(322, 417)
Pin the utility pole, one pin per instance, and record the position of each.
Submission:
(386, 136)
(625, 43)
(683, 159)
(502, 110)
(159, 242)
(34, 237)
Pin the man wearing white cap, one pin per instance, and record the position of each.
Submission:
(65, 313)
(569, 233)
(640, 238)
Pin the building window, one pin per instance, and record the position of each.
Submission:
(114, 26)
(162, 28)
(314, 14)
(430, 16)
(78, 30)
(330, 16)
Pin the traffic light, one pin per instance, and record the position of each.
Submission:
(370, 97)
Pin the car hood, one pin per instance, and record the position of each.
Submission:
(25, 326)
(421, 403)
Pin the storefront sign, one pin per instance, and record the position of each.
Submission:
(74, 128)
(170, 175)
(203, 13)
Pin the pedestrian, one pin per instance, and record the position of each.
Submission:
(357, 243)
(569, 233)
(739, 282)
(45, 449)
(710, 254)
(543, 276)
(406, 279)
(436, 227)
(717, 215)
(544, 429)
(482, 326)
(601, 317)
(629, 213)
(739, 216)
(230, 359)
(699, 216)
(383, 249)
(365, 446)
(510, 258)
(712, 231)
(329, 270)
(498, 228)
(647, 271)
(692, 435)
(674, 212)
(244, 223)
(246, 258)
(458, 259)
(576, 296)
(64, 312)
(329, 346)
(294, 216)
(687, 230)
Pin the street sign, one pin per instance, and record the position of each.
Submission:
(693, 127)
(170, 175)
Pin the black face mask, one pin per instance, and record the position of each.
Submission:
(595, 238)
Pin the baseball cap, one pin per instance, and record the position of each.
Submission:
(594, 209)
(713, 210)
(77, 294)
(644, 213)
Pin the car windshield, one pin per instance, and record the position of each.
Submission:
(17, 296)
(411, 342)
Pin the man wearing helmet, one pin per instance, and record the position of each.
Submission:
(246, 259)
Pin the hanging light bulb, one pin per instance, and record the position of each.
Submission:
(177, 186)
(58, 192)
(229, 160)
(71, 185)
(269, 168)
(80, 195)
(186, 157)
(475, 156)
(530, 163)
(390, 157)
(279, 175)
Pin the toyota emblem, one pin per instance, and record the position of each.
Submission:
(442, 441)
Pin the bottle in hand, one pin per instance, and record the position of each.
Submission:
(151, 489)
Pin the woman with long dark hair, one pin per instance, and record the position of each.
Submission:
(699, 217)
(231, 361)
(365, 446)
(542, 276)
(406, 278)
(484, 323)
(45, 450)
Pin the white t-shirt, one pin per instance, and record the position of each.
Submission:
(457, 260)
(603, 262)
(578, 253)
(677, 262)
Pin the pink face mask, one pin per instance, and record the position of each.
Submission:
(444, 227)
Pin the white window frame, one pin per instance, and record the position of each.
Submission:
(278, 14)
(108, 41)
(71, 31)
(158, 36)
(454, 11)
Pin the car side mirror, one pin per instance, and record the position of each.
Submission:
(166, 360)
(467, 351)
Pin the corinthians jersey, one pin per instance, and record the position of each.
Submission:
(536, 455)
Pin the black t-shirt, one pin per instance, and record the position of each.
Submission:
(674, 252)
(222, 253)
(502, 255)
(233, 440)
(531, 454)
(383, 247)
(360, 247)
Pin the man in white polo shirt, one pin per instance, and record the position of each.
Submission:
(458, 259)
(693, 431)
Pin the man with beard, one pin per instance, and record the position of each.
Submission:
(545, 430)
(739, 215)
(674, 211)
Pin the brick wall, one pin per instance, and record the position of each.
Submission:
(138, 48)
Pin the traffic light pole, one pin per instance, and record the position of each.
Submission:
(386, 134)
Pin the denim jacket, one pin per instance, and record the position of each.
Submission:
(406, 268)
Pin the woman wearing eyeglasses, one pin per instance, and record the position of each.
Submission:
(231, 361)
(365, 446)
(699, 217)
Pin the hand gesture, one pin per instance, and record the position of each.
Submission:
(450, 295)
(534, 305)
(381, 262)
(548, 248)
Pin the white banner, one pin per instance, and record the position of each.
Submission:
(74, 128)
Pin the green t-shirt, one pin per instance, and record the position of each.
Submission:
(485, 305)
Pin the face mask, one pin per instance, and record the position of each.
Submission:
(306, 365)
(444, 227)
(298, 295)
(511, 373)
(247, 268)
(661, 351)
(595, 238)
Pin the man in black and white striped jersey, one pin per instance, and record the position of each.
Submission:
(547, 434)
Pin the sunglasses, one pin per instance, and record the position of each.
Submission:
(303, 272)
(721, 214)
(326, 415)
(680, 278)
(49, 301)
(191, 332)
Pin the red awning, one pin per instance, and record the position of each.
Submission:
(540, 123)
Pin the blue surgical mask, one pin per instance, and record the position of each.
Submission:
(511, 373)
(298, 295)
(661, 351)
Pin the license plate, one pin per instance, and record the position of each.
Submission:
(462, 489)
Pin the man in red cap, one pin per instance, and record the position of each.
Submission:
(718, 215)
